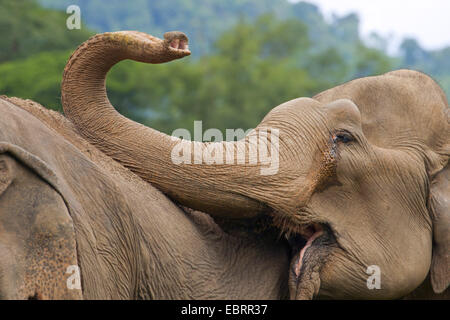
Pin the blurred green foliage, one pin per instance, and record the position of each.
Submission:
(253, 69)
(244, 63)
(201, 20)
(28, 29)
(37, 77)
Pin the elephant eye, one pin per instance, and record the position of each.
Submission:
(343, 136)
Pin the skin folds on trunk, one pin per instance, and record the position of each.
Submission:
(131, 241)
(223, 189)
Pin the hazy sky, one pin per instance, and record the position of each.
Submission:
(426, 20)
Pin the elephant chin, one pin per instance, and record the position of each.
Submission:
(310, 248)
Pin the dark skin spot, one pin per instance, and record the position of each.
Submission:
(327, 174)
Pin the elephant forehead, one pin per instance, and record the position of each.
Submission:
(398, 109)
(303, 129)
(343, 111)
(302, 116)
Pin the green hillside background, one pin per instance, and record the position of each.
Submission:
(248, 56)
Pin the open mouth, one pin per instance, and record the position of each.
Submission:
(301, 242)
(310, 247)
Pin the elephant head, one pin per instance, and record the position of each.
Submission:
(362, 179)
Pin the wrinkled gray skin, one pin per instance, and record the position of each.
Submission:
(62, 203)
(363, 179)
(363, 170)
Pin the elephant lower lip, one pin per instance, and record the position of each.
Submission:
(301, 242)
(318, 231)
(309, 252)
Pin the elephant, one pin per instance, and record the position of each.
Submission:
(70, 213)
(362, 185)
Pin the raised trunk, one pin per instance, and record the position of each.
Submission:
(224, 189)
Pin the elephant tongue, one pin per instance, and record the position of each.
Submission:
(313, 233)
(304, 281)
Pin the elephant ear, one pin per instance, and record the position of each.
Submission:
(5, 175)
(440, 212)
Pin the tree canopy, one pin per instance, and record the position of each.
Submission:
(245, 60)
(28, 29)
